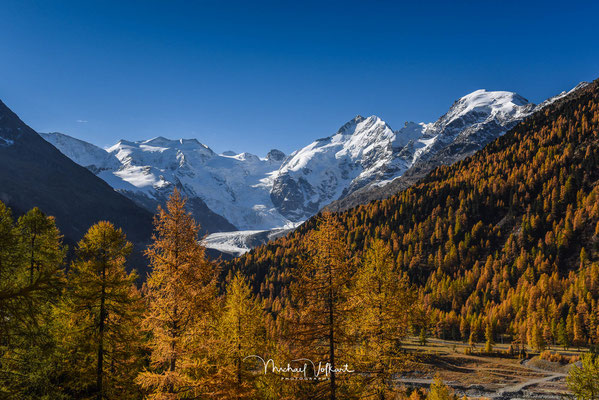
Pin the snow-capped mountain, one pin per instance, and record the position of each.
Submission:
(326, 169)
(230, 191)
(472, 122)
(366, 151)
(478, 117)
(83, 153)
(235, 187)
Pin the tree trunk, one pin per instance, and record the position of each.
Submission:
(32, 260)
(100, 367)
(174, 334)
(331, 334)
(238, 361)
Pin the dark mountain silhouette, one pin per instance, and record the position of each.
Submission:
(33, 173)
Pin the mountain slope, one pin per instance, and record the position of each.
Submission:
(507, 237)
(34, 173)
(83, 153)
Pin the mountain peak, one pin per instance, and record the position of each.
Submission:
(161, 140)
(158, 139)
(178, 144)
(12, 126)
(483, 106)
(349, 126)
(483, 97)
(124, 142)
(275, 155)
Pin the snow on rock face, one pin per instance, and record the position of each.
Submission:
(83, 153)
(563, 94)
(480, 106)
(324, 170)
(410, 131)
(161, 153)
(275, 155)
(479, 111)
(472, 121)
(232, 186)
(235, 186)
(366, 151)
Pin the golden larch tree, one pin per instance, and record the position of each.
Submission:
(241, 334)
(383, 303)
(181, 299)
(320, 295)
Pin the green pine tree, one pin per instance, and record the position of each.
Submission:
(31, 261)
(98, 318)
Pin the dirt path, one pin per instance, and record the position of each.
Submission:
(517, 388)
(498, 393)
(513, 389)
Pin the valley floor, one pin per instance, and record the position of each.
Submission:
(479, 376)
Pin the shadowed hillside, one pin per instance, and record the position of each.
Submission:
(33, 173)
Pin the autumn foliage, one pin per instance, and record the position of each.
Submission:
(506, 239)
(503, 246)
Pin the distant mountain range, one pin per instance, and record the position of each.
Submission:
(253, 198)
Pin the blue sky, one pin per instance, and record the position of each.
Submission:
(253, 75)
